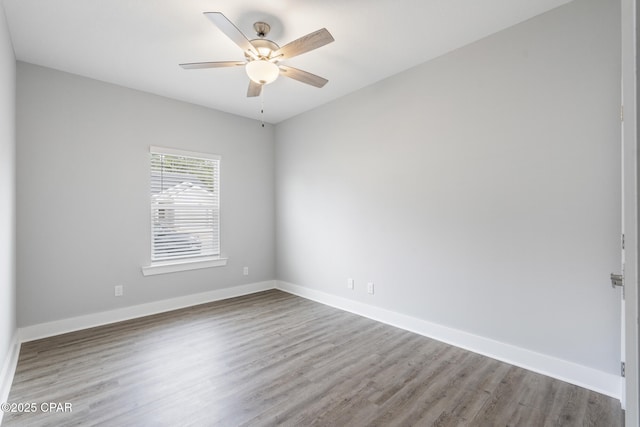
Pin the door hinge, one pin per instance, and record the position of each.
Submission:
(622, 241)
(622, 369)
(617, 280)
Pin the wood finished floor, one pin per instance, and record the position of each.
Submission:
(276, 359)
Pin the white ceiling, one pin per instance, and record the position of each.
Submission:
(139, 44)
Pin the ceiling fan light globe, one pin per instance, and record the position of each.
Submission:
(262, 72)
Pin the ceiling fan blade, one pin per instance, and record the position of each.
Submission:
(302, 76)
(196, 65)
(231, 31)
(255, 89)
(304, 44)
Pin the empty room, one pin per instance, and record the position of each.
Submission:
(362, 213)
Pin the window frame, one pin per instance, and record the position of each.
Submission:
(187, 262)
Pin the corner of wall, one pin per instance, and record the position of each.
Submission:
(9, 341)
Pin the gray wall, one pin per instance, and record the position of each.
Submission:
(480, 190)
(7, 189)
(83, 194)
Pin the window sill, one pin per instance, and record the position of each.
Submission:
(174, 266)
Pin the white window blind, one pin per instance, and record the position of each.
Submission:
(185, 205)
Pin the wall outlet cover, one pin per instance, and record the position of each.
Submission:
(370, 288)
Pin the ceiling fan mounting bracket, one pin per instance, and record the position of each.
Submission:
(262, 29)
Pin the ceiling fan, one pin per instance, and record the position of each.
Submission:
(263, 56)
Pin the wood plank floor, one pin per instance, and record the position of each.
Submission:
(276, 359)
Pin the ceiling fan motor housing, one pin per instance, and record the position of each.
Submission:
(264, 47)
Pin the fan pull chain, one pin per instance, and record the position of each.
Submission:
(262, 107)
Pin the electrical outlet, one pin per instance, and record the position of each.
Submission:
(119, 290)
(350, 283)
(370, 288)
(245, 271)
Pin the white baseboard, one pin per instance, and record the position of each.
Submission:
(583, 376)
(44, 330)
(8, 370)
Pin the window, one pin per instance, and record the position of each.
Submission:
(185, 209)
